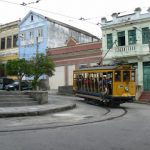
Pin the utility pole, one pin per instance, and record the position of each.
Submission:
(37, 50)
(37, 46)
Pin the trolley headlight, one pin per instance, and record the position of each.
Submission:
(126, 89)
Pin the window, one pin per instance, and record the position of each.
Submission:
(126, 76)
(23, 37)
(145, 35)
(121, 38)
(15, 38)
(132, 37)
(109, 41)
(2, 43)
(133, 76)
(40, 32)
(31, 17)
(31, 35)
(9, 40)
(117, 76)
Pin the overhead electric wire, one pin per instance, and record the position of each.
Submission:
(38, 9)
(23, 4)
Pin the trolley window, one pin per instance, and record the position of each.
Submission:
(126, 76)
(133, 76)
(117, 76)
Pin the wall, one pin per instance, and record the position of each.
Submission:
(58, 35)
(71, 57)
(28, 48)
(9, 29)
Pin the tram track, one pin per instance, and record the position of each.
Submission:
(107, 116)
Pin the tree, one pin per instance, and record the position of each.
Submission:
(18, 68)
(41, 65)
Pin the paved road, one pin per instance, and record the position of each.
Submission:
(83, 113)
(88, 127)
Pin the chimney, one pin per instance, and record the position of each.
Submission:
(148, 9)
(114, 16)
(103, 20)
(137, 11)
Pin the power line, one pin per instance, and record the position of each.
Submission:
(9, 2)
(23, 4)
(33, 2)
(26, 5)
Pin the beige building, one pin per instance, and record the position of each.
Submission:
(127, 38)
(8, 43)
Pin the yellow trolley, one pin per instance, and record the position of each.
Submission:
(111, 85)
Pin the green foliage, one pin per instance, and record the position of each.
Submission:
(36, 67)
(19, 68)
(41, 65)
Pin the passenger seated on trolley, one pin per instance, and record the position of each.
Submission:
(100, 83)
(105, 84)
(96, 84)
(91, 84)
(109, 85)
(79, 81)
(87, 84)
(126, 76)
(117, 76)
(104, 81)
(90, 80)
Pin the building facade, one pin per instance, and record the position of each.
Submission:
(71, 57)
(127, 38)
(38, 33)
(8, 44)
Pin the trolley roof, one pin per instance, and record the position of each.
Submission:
(109, 67)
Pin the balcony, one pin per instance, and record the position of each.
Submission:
(125, 51)
(129, 51)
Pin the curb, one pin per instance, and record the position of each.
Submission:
(38, 111)
(139, 102)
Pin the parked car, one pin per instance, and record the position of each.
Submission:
(25, 85)
(4, 81)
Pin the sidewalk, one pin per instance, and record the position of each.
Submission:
(51, 107)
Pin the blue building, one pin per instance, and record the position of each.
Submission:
(37, 33)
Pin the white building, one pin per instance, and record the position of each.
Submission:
(127, 38)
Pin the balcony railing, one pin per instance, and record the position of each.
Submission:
(126, 49)
(130, 50)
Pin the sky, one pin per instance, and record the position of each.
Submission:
(91, 10)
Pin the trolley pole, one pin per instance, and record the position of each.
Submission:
(107, 53)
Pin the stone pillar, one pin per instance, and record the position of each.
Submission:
(140, 73)
(66, 75)
(126, 38)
